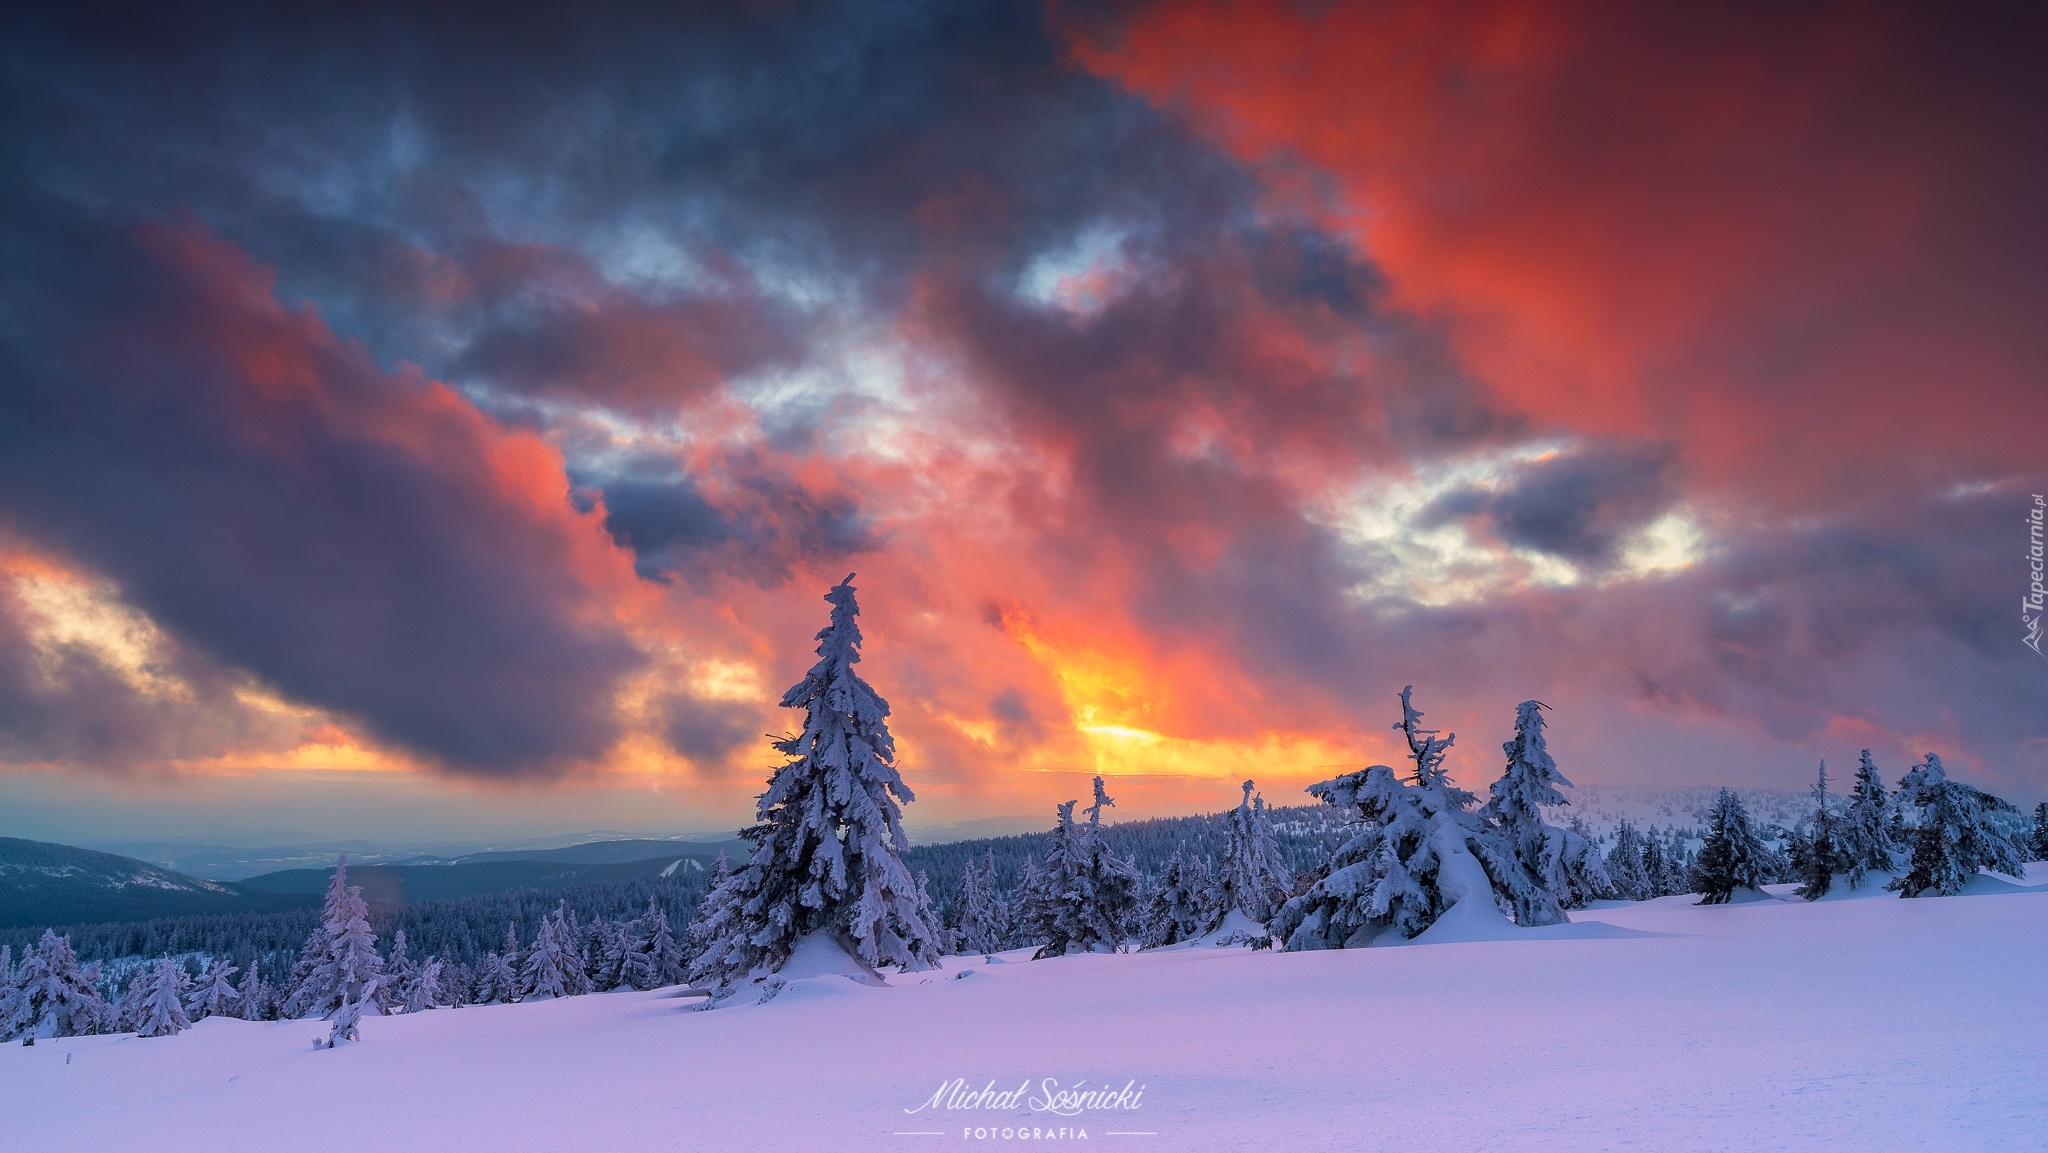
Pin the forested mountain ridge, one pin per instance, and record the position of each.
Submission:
(43, 883)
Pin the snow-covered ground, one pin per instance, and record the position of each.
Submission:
(1867, 1023)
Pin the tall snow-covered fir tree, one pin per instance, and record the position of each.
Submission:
(1253, 876)
(1864, 833)
(1733, 856)
(161, 1008)
(829, 833)
(346, 972)
(1178, 907)
(1816, 847)
(1423, 853)
(1052, 903)
(1563, 864)
(1956, 834)
(2040, 834)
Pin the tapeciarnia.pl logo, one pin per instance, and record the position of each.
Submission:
(2036, 600)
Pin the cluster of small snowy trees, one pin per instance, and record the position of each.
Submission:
(1930, 837)
(1644, 864)
(1085, 898)
(1426, 848)
(340, 976)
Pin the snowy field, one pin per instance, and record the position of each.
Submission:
(1865, 1023)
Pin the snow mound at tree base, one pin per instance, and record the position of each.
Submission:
(823, 954)
(1994, 884)
(1236, 929)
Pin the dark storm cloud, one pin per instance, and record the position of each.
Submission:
(709, 731)
(267, 493)
(63, 704)
(673, 531)
(1578, 504)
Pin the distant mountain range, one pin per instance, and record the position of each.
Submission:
(46, 884)
(49, 884)
(232, 863)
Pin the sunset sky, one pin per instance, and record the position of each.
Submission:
(430, 419)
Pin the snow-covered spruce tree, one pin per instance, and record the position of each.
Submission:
(1179, 908)
(829, 834)
(1818, 855)
(1627, 868)
(1563, 864)
(161, 1008)
(423, 992)
(1660, 876)
(656, 960)
(604, 955)
(2040, 834)
(513, 955)
(1678, 862)
(1253, 876)
(51, 996)
(554, 966)
(1051, 895)
(495, 983)
(458, 982)
(718, 912)
(1422, 854)
(1087, 895)
(977, 894)
(214, 993)
(942, 937)
(1115, 880)
(989, 922)
(1024, 902)
(400, 970)
(1957, 833)
(1865, 832)
(253, 998)
(346, 967)
(1733, 856)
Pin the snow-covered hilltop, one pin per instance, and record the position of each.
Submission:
(1661, 1025)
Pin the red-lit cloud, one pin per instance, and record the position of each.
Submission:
(1792, 238)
